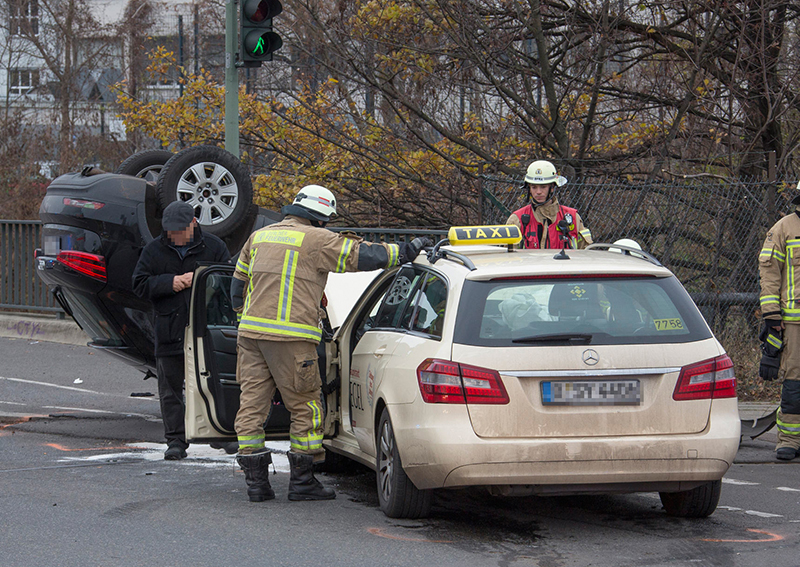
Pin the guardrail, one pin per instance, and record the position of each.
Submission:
(20, 287)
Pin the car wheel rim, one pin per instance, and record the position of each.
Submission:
(399, 291)
(211, 190)
(150, 173)
(386, 461)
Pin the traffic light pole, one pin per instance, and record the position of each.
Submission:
(231, 79)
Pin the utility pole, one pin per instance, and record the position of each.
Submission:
(231, 80)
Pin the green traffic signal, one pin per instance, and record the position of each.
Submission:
(257, 40)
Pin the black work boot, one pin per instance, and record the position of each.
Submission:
(302, 484)
(256, 473)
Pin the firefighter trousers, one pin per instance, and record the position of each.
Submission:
(291, 367)
(789, 412)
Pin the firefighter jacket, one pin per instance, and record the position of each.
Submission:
(285, 267)
(779, 268)
(541, 230)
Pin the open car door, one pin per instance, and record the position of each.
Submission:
(212, 392)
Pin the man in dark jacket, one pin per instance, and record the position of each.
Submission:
(163, 275)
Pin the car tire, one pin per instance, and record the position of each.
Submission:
(146, 164)
(215, 182)
(397, 495)
(334, 463)
(699, 502)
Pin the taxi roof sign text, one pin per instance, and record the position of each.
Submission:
(489, 234)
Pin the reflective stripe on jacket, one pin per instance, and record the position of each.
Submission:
(779, 268)
(285, 267)
(549, 215)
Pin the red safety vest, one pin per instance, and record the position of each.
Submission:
(530, 232)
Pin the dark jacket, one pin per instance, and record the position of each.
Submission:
(158, 264)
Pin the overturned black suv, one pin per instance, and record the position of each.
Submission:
(95, 225)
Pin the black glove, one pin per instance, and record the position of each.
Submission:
(768, 369)
(771, 338)
(410, 250)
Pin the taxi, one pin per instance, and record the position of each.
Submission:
(519, 371)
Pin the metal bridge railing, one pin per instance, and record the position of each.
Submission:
(20, 287)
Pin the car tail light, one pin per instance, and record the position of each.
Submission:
(710, 379)
(88, 264)
(446, 382)
(83, 203)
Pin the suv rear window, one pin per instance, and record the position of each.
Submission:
(598, 311)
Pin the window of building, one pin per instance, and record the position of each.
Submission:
(24, 17)
(22, 81)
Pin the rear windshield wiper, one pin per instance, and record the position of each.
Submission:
(571, 338)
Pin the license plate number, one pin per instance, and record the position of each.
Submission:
(592, 392)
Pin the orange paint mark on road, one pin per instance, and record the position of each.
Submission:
(67, 449)
(380, 533)
(18, 421)
(773, 537)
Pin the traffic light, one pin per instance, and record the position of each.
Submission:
(257, 40)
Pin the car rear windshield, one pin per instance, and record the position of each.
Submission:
(598, 311)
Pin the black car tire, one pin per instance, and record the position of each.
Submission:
(699, 502)
(146, 164)
(397, 495)
(215, 182)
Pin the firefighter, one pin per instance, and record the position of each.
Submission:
(277, 288)
(780, 336)
(541, 220)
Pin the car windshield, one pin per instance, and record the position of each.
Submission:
(598, 311)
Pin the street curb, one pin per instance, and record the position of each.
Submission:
(35, 327)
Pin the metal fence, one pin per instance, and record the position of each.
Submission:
(20, 287)
(708, 232)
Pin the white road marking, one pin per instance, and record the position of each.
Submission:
(787, 489)
(78, 409)
(82, 390)
(13, 403)
(762, 514)
(730, 508)
(739, 482)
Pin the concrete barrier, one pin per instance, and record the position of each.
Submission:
(36, 327)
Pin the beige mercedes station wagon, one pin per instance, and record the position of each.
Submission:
(520, 371)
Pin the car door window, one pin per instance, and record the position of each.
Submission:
(397, 299)
(426, 313)
(219, 307)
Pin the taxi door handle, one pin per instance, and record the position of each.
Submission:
(378, 352)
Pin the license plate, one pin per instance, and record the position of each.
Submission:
(592, 392)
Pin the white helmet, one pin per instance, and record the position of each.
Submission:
(318, 201)
(628, 243)
(542, 172)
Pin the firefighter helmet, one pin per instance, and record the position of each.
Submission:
(318, 202)
(629, 244)
(543, 172)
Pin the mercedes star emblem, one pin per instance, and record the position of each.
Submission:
(591, 357)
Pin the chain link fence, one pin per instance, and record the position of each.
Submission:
(707, 231)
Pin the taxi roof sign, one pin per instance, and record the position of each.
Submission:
(488, 234)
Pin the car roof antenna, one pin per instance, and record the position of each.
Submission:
(563, 228)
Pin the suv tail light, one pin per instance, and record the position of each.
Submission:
(710, 379)
(446, 382)
(87, 264)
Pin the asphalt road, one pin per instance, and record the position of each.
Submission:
(84, 484)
